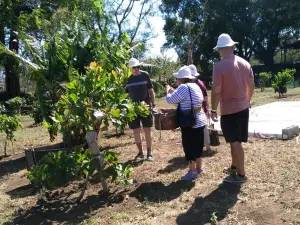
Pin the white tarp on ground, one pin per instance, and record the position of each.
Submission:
(270, 119)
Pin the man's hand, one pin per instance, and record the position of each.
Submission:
(214, 116)
(152, 96)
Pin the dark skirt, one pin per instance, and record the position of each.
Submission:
(192, 142)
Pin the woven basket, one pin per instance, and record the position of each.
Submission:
(165, 120)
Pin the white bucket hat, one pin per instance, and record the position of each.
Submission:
(184, 72)
(134, 63)
(225, 40)
(194, 71)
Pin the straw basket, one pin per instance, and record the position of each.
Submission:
(165, 120)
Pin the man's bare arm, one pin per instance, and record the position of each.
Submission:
(215, 97)
(250, 89)
(152, 96)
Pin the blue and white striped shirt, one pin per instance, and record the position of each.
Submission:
(181, 95)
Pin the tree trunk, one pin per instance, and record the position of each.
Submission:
(190, 57)
(2, 34)
(12, 80)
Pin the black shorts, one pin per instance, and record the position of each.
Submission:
(235, 126)
(146, 122)
(192, 142)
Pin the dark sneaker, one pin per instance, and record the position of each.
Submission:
(190, 176)
(235, 179)
(231, 171)
(150, 157)
(139, 156)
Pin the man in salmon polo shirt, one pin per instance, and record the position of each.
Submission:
(233, 87)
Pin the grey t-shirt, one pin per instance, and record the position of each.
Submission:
(137, 87)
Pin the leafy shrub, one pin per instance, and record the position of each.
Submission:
(97, 90)
(15, 104)
(264, 77)
(59, 168)
(282, 79)
(8, 125)
(36, 112)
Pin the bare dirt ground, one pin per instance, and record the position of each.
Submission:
(271, 196)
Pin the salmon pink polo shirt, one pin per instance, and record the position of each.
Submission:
(232, 74)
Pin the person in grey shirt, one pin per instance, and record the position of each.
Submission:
(140, 89)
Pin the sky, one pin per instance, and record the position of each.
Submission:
(157, 24)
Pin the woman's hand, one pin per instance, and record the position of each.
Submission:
(169, 90)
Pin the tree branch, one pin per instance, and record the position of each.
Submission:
(139, 21)
(125, 15)
(117, 20)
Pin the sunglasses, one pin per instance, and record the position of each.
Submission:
(135, 67)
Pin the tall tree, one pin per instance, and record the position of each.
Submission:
(277, 22)
(9, 26)
(130, 16)
(259, 26)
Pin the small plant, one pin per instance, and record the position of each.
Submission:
(36, 112)
(59, 168)
(264, 77)
(281, 81)
(56, 169)
(214, 218)
(15, 104)
(8, 125)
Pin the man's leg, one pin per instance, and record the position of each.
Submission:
(148, 137)
(137, 139)
(238, 157)
(135, 126)
(234, 161)
(239, 135)
(147, 124)
(231, 131)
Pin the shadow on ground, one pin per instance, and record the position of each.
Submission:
(159, 192)
(209, 153)
(177, 163)
(180, 163)
(61, 211)
(219, 201)
(110, 147)
(12, 164)
(23, 191)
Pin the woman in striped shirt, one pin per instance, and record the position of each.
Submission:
(192, 137)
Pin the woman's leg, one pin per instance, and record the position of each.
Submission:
(200, 137)
(199, 164)
(206, 138)
(190, 142)
(192, 165)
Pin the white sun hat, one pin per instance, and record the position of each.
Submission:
(134, 63)
(194, 71)
(184, 72)
(225, 40)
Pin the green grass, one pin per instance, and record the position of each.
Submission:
(259, 98)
